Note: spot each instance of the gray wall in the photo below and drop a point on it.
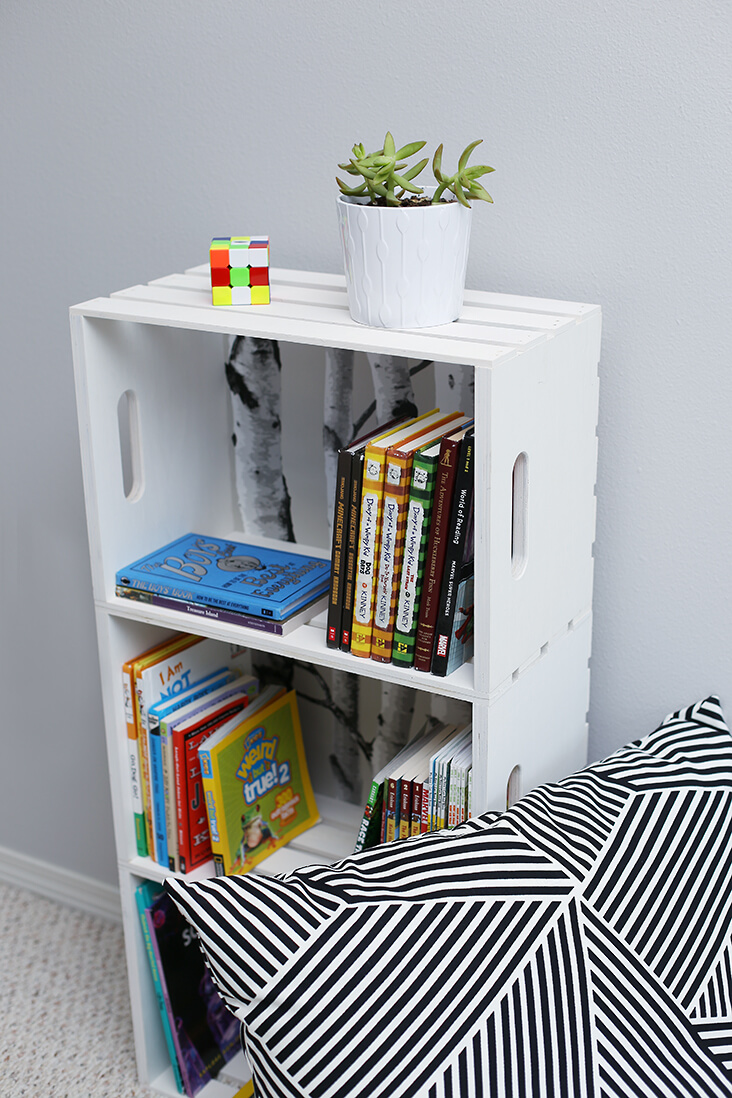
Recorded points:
(132, 133)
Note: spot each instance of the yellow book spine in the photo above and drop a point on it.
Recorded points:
(372, 493)
(393, 516)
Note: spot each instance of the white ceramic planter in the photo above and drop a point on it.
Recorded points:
(405, 267)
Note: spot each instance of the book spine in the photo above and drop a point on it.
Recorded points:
(199, 610)
(391, 810)
(158, 794)
(372, 496)
(186, 1080)
(171, 815)
(368, 812)
(354, 513)
(145, 771)
(172, 1053)
(425, 820)
(435, 559)
(416, 542)
(405, 808)
(397, 477)
(248, 607)
(133, 751)
(179, 771)
(454, 555)
(209, 795)
(415, 815)
(338, 550)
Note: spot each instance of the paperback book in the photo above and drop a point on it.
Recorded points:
(255, 780)
(204, 1032)
(267, 583)
(229, 617)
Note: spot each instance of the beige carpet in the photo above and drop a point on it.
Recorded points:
(65, 1025)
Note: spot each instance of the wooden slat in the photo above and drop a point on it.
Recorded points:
(192, 297)
(134, 305)
(482, 313)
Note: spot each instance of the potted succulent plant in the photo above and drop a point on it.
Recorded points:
(405, 248)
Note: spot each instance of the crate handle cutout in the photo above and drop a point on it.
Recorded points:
(130, 445)
(520, 515)
(513, 786)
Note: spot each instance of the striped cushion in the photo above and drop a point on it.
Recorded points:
(579, 944)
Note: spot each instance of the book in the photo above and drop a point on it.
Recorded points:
(416, 544)
(268, 583)
(187, 730)
(146, 659)
(230, 617)
(157, 712)
(458, 553)
(341, 529)
(397, 479)
(460, 644)
(133, 749)
(349, 579)
(145, 894)
(436, 549)
(440, 764)
(205, 1032)
(255, 782)
(189, 658)
(369, 538)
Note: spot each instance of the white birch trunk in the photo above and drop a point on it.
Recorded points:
(344, 760)
(337, 415)
(394, 723)
(392, 387)
(455, 388)
(253, 372)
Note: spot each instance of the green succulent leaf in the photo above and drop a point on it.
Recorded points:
(410, 150)
(403, 182)
(437, 164)
(389, 146)
(465, 155)
(477, 170)
(351, 190)
(478, 191)
(459, 193)
(414, 171)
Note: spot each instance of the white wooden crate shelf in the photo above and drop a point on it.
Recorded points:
(535, 365)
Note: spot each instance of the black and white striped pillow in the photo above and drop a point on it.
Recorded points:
(579, 944)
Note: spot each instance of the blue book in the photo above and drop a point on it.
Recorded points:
(270, 583)
(145, 895)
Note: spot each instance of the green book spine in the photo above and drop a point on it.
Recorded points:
(416, 539)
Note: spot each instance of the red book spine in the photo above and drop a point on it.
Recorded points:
(425, 821)
(437, 547)
(415, 817)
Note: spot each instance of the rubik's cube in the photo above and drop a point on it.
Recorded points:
(240, 270)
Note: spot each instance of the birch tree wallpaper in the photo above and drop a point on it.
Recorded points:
(357, 724)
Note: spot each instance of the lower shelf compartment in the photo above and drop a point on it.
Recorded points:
(232, 1078)
(327, 841)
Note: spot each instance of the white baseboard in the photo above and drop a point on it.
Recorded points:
(63, 886)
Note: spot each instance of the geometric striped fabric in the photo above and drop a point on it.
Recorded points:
(577, 945)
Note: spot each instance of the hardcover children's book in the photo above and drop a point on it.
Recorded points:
(145, 895)
(256, 782)
(205, 1032)
(269, 583)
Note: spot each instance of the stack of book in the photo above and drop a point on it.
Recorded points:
(272, 590)
(401, 587)
(217, 766)
(427, 786)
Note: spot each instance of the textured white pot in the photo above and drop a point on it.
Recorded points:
(405, 266)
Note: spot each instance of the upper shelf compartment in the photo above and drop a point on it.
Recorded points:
(150, 361)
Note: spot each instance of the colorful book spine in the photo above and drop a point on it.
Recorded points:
(457, 541)
(397, 481)
(145, 895)
(371, 810)
(218, 613)
(338, 550)
(405, 807)
(416, 542)
(435, 560)
(133, 753)
(415, 817)
(354, 512)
